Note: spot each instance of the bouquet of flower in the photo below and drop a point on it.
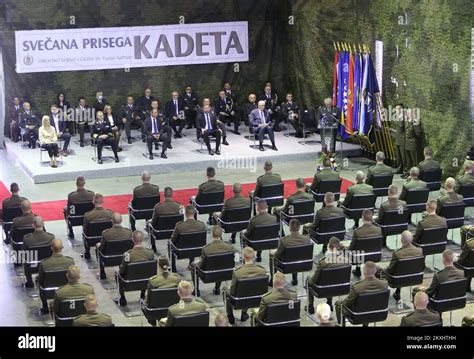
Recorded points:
(327, 155)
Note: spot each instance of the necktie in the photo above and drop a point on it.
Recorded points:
(176, 106)
(262, 115)
(208, 122)
(155, 127)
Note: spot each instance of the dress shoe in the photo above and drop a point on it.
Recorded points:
(120, 149)
(170, 147)
(81, 144)
(225, 143)
(116, 159)
(217, 152)
(129, 141)
(176, 136)
(211, 152)
(29, 284)
(309, 308)
(261, 148)
(151, 157)
(216, 291)
(65, 153)
(163, 155)
(244, 317)
(180, 135)
(99, 161)
(274, 148)
(237, 133)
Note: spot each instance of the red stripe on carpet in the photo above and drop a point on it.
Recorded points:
(53, 210)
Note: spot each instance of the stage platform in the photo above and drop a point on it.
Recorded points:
(185, 156)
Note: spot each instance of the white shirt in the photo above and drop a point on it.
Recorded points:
(208, 121)
(111, 119)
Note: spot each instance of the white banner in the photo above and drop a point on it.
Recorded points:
(127, 47)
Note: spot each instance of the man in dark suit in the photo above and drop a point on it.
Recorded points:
(175, 115)
(166, 127)
(100, 101)
(146, 189)
(367, 285)
(293, 239)
(83, 117)
(104, 135)
(130, 115)
(407, 250)
(97, 214)
(291, 114)
(56, 119)
(191, 104)
(421, 316)
(249, 107)
(144, 103)
(190, 224)
(432, 220)
(13, 114)
(29, 122)
(216, 246)
(207, 124)
(449, 273)
(262, 124)
(80, 195)
(137, 254)
(224, 107)
(272, 105)
(155, 133)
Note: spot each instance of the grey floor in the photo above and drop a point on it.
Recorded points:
(18, 309)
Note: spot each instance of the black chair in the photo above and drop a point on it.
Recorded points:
(235, 219)
(332, 282)
(454, 214)
(68, 310)
(449, 296)
(394, 222)
(113, 254)
(272, 193)
(380, 183)
(248, 292)
(159, 300)
(164, 228)
(467, 191)
(433, 240)
(188, 245)
(209, 202)
(142, 207)
(308, 121)
(432, 178)
(137, 275)
(358, 204)
(52, 280)
(302, 210)
(368, 308)
(280, 314)
(16, 240)
(296, 259)
(94, 231)
(42, 252)
(266, 236)
(329, 227)
(8, 214)
(75, 213)
(325, 186)
(219, 267)
(416, 199)
(367, 249)
(407, 273)
(191, 320)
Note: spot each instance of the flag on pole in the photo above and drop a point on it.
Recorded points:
(369, 91)
(356, 96)
(350, 97)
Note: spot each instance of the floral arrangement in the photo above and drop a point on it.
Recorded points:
(331, 156)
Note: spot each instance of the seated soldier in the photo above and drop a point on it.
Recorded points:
(450, 196)
(407, 250)
(216, 246)
(449, 273)
(248, 270)
(326, 173)
(428, 163)
(431, 220)
(278, 294)
(187, 304)
(97, 214)
(358, 188)
(189, 225)
(299, 195)
(116, 232)
(367, 230)
(294, 239)
(391, 204)
(80, 195)
(237, 201)
(37, 238)
(268, 178)
(261, 218)
(169, 206)
(92, 318)
(463, 259)
(25, 220)
(367, 285)
(72, 290)
(413, 182)
(146, 189)
(467, 178)
(379, 168)
(211, 185)
(329, 210)
(421, 316)
(334, 258)
(137, 254)
(13, 201)
(56, 262)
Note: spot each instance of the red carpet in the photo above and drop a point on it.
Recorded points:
(53, 210)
